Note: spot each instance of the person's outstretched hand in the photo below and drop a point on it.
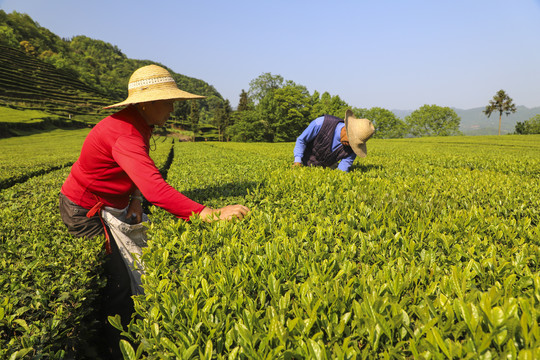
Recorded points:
(225, 213)
(296, 164)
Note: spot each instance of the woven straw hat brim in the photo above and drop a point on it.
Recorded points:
(359, 131)
(152, 83)
(157, 95)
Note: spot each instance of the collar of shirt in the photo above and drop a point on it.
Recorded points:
(132, 115)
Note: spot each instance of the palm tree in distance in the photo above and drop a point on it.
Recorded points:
(502, 103)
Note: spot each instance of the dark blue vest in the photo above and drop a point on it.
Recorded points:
(319, 151)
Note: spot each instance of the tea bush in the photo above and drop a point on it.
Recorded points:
(27, 156)
(428, 248)
(49, 280)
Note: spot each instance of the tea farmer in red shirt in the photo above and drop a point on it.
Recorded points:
(329, 141)
(115, 170)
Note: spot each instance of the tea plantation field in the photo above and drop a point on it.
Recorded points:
(428, 249)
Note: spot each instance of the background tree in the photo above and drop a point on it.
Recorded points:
(260, 86)
(221, 119)
(387, 124)
(291, 113)
(194, 117)
(243, 103)
(218, 119)
(228, 117)
(433, 120)
(266, 115)
(248, 127)
(531, 126)
(241, 121)
(7, 36)
(328, 105)
(275, 109)
(501, 103)
(181, 112)
(28, 48)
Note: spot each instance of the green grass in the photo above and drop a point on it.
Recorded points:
(9, 115)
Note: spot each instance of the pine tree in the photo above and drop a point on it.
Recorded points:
(502, 103)
(243, 104)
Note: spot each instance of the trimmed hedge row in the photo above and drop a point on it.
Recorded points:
(49, 280)
(26, 79)
(426, 249)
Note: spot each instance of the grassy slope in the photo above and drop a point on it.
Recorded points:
(28, 82)
(9, 115)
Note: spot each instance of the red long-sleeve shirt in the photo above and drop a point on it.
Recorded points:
(114, 161)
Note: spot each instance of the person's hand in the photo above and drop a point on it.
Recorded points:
(296, 164)
(134, 211)
(225, 213)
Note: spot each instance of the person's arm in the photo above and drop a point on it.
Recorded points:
(305, 138)
(345, 163)
(130, 154)
(135, 210)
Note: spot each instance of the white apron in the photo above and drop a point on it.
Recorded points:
(130, 240)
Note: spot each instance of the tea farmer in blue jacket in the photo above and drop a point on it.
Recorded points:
(329, 140)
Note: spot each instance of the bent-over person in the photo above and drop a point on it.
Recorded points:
(332, 142)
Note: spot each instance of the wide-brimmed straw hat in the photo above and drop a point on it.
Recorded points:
(150, 83)
(359, 131)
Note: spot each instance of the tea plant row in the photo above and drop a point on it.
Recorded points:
(49, 281)
(429, 248)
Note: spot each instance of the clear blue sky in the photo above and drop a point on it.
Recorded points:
(395, 54)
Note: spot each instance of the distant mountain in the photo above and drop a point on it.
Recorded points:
(475, 122)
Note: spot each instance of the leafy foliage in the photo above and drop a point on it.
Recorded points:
(24, 157)
(286, 110)
(387, 125)
(264, 84)
(244, 103)
(49, 281)
(249, 127)
(428, 248)
(531, 126)
(327, 104)
(222, 118)
(278, 110)
(433, 120)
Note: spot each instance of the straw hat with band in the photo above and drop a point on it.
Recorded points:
(151, 83)
(359, 131)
